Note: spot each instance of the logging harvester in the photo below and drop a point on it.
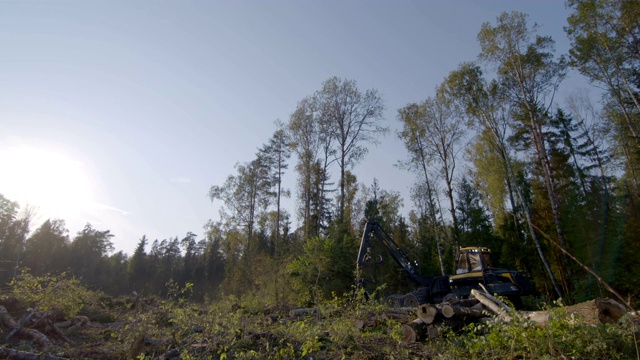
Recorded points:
(473, 267)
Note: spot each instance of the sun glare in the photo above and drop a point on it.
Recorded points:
(55, 183)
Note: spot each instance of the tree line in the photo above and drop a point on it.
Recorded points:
(541, 174)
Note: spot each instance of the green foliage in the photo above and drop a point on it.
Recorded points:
(563, 337)
(60, 293)
(310, 270)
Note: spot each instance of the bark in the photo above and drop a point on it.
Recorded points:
(464, 302)
(21, 355)
(449, 311)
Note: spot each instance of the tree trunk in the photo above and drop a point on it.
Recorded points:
(414, 331)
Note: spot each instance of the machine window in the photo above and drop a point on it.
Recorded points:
(474, 259)
(462, 266)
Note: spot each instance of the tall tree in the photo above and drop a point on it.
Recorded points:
(214, 259)
(414, 136)
(10, 237)
(444, 130)
(274, 156)
(353, 120)
(605, 39)
(313, 146)
(530, 77)
(46, 248)
(244, 195)
(138, 270)
(487, 107)
(88, 250)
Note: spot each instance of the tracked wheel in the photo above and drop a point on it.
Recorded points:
(410, 300)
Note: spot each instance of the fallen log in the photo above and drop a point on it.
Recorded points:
(541, 318)
(463, 302)
(598, 311)
(9, 323)
(22, 355)
(491, 305)
(427, 313)
(54, 331)
(414, 331)
(495, 300)
(449, 311)
(26, 317)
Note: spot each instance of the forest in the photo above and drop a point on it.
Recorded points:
(551, 186)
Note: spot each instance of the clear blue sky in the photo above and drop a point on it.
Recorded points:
(124, 113)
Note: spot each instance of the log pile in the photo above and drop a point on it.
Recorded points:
(432, 318)
(482, 306)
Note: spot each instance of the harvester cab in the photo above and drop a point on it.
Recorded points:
(473, 259)
(474, 266)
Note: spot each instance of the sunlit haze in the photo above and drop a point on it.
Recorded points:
(53, 181)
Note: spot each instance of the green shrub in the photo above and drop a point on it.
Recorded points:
(61, 293)
(564, 337)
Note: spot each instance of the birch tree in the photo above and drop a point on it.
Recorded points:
(353, 119)
(486, 106)
(313, 147)
(530, 77)
(414, 136)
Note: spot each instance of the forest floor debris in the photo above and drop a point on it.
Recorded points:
(173, 328)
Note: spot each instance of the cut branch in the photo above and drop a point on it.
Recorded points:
(21, 355)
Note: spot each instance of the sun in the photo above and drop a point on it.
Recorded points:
(52, 181)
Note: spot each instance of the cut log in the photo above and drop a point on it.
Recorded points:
(450, 311)
(427, 313)
(464, 302)
(494, 299)
(541, 318)
(414, 331)
(610, 311)
(433, 331)
(598, 311)
(490, 304)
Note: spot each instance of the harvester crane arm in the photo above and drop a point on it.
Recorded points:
(373, 231)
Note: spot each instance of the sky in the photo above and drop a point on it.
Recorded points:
(123, 114)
